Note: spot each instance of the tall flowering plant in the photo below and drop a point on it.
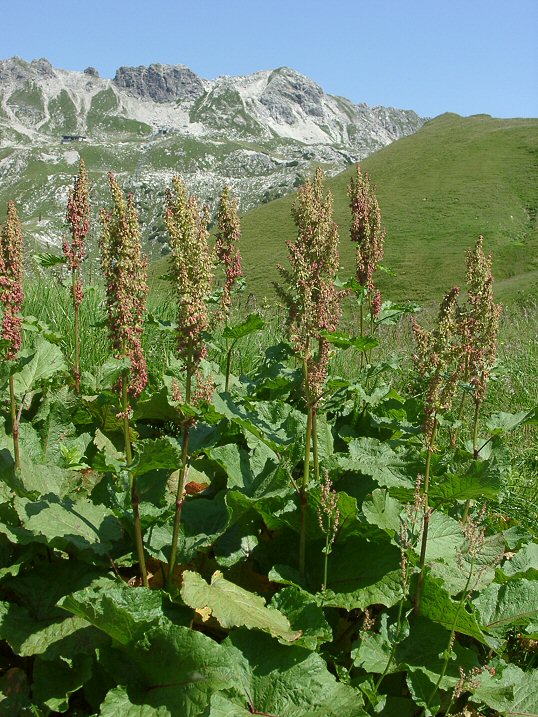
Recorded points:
(191, 271)
(438, 358)
(125, 272)
(11, 296)
(229, 256)
(368, 234)
(480, 328)
(78, 218)
(227, 248)
(313, 304)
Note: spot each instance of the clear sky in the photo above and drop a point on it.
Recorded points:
(433, 56)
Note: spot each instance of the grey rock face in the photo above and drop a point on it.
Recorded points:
(161, 83)
(91, 71)
(287, 91)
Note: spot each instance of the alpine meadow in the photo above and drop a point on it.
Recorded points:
(280, 462)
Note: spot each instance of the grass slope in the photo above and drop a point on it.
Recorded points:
(438, 190)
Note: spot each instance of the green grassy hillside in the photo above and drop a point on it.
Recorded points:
(438, 190)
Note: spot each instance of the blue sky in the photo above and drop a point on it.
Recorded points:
(433, 56)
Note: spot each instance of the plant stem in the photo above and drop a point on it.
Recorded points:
(475, 429)
(393, 649)
(228, 363)
(77, 331)
(426, 522)
(135, 500)
(303, 494)
(451, 638)
(326, 562)
(315, 443)
(180, 493)
(14, 424)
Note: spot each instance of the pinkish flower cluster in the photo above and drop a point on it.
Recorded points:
(310, 293)
(191, 269)
(366, 230)
(11, 293)
(439, 359)
(125, 272)
(480, 323)
(227, 249)
(78, 217)
(328, 510)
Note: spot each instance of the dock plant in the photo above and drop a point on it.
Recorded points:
(229, 256)
(11, 297)
(78, 219)
(314, 304)
(191, 274)
(124, 269)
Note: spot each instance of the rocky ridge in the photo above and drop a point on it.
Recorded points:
(261, 133)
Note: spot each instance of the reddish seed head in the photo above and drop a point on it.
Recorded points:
(78, 218)
(227, 249)
(366, 230)
(125, 273)
(312, 300)
(11, 293)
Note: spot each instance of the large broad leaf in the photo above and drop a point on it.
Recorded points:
(499, 423)
(305, 614)
(503, 606)
(382, 510)
(481, 479)
(251, 324)
(233, 606)
(391, 468)
(437, 605)
(55, 680)
(343, 341)
(523, 564)
(67, 524)
(362, 574)
(161, 664)
(288, 681)
(45, 363)
(159, 454)
(509, 692)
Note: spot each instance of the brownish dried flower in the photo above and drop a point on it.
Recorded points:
(78, 217)
(11, 292)
(125, 272)
(481, 320)
(309, 292)
(191, 269)
(439, 359)
(366, 230)
(227, 248)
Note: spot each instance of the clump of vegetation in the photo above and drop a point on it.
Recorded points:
(392, 579)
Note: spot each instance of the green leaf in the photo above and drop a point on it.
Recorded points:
(391, 468)
(437, 605)
(382, 510)
(48, 260)
(503, 606)
(524, 563)
(159, 454)
(233, 606)
(117, 702)
(110, 372)
(343, 341)
(67, 524)
(46, 362)
(509, 692)
(108, 457)
(305, 615)
(55, 680)
(499, 423)
(250, 325)
(288, 680)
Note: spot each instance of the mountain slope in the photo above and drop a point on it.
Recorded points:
(261, 134)
(438, 190)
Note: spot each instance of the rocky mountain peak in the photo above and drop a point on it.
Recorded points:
(288, 90)
(160, 83)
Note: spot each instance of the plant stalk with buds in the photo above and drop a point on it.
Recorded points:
(125, 272)
(191, 270)
(328, 519)
(78, 217)
(11, 296)
(227, 251)
(313, 304)
(438, 359)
